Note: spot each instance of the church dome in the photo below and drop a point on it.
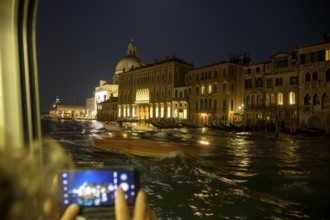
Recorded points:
(130, 60)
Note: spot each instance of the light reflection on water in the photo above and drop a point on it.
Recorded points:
(244, 176)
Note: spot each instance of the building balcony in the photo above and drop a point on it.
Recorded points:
(311, 84)
(325, 107)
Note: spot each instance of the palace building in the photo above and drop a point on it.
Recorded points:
(290, 90)
(216, 91)
(314, 85)
(155, 91)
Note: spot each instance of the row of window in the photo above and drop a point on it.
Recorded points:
(318, 56)
(208, 74)
(315, 76)
(257, 100)
(248, 82)
(269, 99)
(157, 112)
(209, 89)
(208, 104)
(315, 99)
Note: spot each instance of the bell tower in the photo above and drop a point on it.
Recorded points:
(131, 51)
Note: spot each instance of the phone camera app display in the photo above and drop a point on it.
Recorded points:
(97, 187)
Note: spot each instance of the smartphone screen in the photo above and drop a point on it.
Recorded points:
(97, 187)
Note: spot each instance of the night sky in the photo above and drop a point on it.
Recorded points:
(79, 42)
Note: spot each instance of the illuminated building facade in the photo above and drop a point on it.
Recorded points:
(215, 92)
(66, 111)
(154, 92)
(270, 92)
(291, 90)
(314, 85)
(102, 93)
(107, 110)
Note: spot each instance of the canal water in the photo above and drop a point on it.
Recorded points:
(243, 176)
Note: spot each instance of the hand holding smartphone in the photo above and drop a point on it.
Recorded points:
(94, 188)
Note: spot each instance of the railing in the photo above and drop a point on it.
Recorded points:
(311, 84)
(325, 107)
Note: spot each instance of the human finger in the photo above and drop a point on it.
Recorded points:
(71, 212)
(151, 215)
(140, 209)
(121, 207)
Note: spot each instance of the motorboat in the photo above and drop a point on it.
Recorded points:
(153, 144)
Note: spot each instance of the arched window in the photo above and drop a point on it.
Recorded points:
(272, 99)
(247, 101)
(215, 88)
(307, 99)
(215, 74)
(267, 99)
(292, 98)
(224, 87)
(280, 98)
(157, 112)
(203, 90)
(258, 99)
(162, 112)
(325, 99)
(327, 75)
(209, 89)
(253, 101)
(315, 76)
(316, 100)
(307, 77)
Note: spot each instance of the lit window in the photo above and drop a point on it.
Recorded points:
(162, 112)
(280, 98)
(210, 89)
(157, 109)
(185, 114)
(142, 96)
(327, 54)
(175, 113)
(133, 113)
(168, 111)
(151, 113)
(292, 98)
(203, 90)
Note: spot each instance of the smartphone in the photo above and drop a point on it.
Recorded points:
(97, 187)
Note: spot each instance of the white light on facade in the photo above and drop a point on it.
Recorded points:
(133, 113)
(162, 112)
(185, 114)
(175, 113)
(292, 98)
